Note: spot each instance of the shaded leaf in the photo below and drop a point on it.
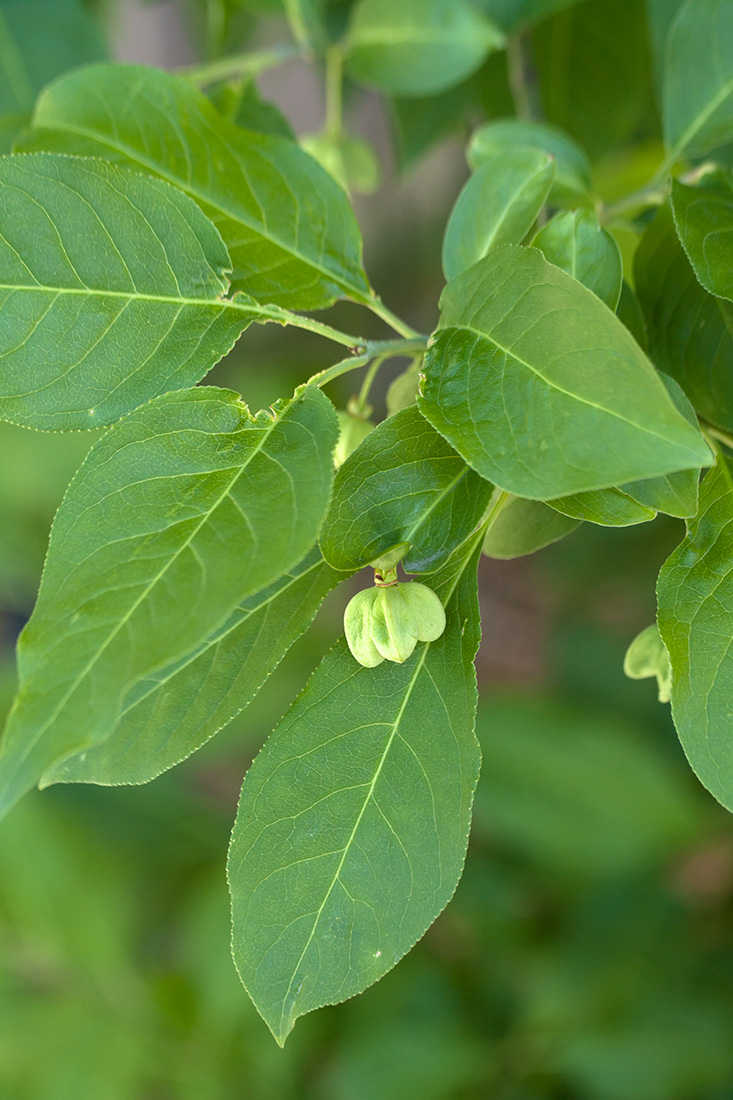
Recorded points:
(523, 526)
(353, 821)
(698, 79)
(291, 233)
(541, 389)
(704, 219)
(572, 179)
(111, 290)
(608, 507)
(417, 47)
(574, 241)
(690, 331)
(404, 484)
(180, 511)
(695, 598)
(514, 15)
(171, 713)
(498, 205)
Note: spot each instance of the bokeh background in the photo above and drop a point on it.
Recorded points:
(588, 952)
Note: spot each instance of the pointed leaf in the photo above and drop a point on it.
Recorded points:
(498, 205)
(704, 219)
(574, 241)
(111, 291)
(541, 389)
(404, 484)
(698, 79)
(523, 526)
(180, 511)
(690, 331)
(353, 821)
(417, 47)
(292, 236)
(695, 596)
(171, 713)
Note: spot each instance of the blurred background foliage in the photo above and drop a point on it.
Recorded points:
(588, 953)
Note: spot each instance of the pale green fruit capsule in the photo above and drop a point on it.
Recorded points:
(647, 656)
(358, 628)
(394, 625)
(427, 610)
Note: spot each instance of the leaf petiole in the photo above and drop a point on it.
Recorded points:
(241, 64)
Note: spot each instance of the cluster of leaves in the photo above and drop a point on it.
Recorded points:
(144, 225)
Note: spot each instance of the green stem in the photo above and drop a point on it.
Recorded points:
(334, 93)
(517, 75)
(652, 194)
(264, 314)
(242, 64)
(377, 306)
(362, 401)
(369, 350)
(717, 434)
(342, 367)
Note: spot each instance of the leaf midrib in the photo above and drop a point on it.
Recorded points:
(183, 185)
(553, 385)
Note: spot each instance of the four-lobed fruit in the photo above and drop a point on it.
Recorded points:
(386, 622)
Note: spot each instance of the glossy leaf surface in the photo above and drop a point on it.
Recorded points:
(698, 82)
(704, 220)
(180, 511)
(608, 507)
(291, 234)
(498, 205)
(542, 390)
(404, 484)
(353, 821)
(574, 241)
(690, 331)
(111, 291)
(695, 597)
(417, 47)
(171, 713)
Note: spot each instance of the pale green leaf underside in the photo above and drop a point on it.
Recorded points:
(404, 484)
(181, 510)
(704, 219)
(607, 507)
(111, 291)
(524, 526)
(353, 821)
(498, 205)
(572, 168)
(695, 597)
(542, 389)
(698, 78)
(171, 713)
(290, 231)
(417, 47)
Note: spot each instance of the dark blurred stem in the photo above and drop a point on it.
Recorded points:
(519, 78)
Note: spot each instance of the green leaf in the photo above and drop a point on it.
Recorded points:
(647, 657)
(575, 241)
(690, 331)
(112, 291)
(608, 507)
(695, 597)
(541, 389)
(180, 511)
(660, 16)
(572, 170)
(353, 821)
(417, 47)
(39, 39)
(171, 713)
(291, 233)
(404, 484)
(698, 79)
(522, 526)
(244, 105)
(704, 219)
(498, 205)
